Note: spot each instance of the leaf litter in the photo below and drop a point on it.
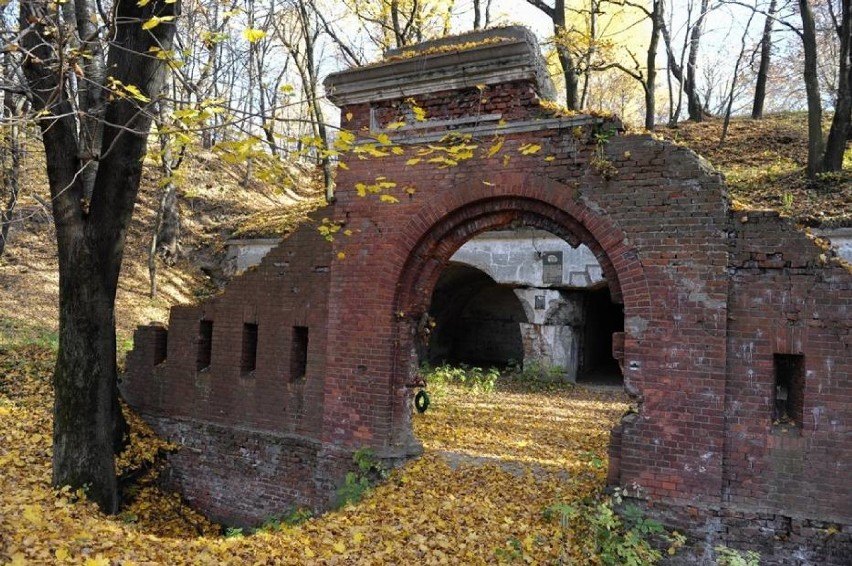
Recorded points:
(492, 463)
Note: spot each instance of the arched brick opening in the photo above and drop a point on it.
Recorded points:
(436, 245)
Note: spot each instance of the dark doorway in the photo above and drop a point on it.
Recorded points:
(603, 318)
(476, 321)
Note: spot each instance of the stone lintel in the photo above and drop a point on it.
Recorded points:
(516, 56)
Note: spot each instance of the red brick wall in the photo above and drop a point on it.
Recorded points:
(251, 441)
(786, 299)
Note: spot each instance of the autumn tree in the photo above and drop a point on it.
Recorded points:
(392, 24)
(765, 58)
(298, 29)
(88, 424)
(826, 155)
(839, 133)
(687, 77)
(556, 13)
(647, 76)
(481, 14)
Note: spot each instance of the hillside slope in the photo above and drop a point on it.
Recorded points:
(763, 162)
(213, 202)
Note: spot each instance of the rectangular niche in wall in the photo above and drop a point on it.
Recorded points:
(161, 346)
(299, 353)
(205, 344)
(789, 392)
(248, 355)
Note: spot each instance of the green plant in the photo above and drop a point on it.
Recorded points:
(357, 484)
(233, 532)
(474, 378)
(594, 529)
(731, 557)
(535, 373)
(600, 162)
(17, 333)
(295, 516)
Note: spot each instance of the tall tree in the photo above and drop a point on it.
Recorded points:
(88, 425)
(11, 151)
(734, 76)
(835, 146)
(481, 14)
(765, 58)
(688, 77)
(648, 78)
(816, 143)
(299, 34)
(556, 13)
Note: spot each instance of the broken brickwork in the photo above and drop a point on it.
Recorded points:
(729, 316)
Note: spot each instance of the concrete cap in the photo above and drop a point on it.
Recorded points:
(489, 57)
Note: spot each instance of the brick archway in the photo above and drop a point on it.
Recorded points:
(436, 244)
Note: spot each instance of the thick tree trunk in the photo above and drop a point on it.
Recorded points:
(816, 144)
(765, 57)
(569, 69)
(839, 133)
(88, 425)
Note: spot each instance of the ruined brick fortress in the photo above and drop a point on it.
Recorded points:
(727, 318)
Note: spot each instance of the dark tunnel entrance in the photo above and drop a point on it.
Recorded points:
(525, 298)
(476, 320)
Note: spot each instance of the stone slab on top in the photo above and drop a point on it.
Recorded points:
(485, 57)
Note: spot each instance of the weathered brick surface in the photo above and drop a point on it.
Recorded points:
(710, 297)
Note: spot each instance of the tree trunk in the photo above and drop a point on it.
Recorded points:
(88, 425)
(651, 61)
(816, 144)
(763, 68)
(590, 53)
(675, 67)
(569, 69)
(310, 80)
(10, 153)
(693, 105)
(81, 15)
(730, 104)
(839, 133)
(166, 233)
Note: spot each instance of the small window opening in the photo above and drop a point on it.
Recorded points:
(299, 353)
(248, 357)
(789, 393)
(205, 344)
(161, 346)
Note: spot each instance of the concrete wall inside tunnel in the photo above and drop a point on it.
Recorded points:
(556, 284)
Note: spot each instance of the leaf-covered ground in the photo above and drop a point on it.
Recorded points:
(492, 463)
